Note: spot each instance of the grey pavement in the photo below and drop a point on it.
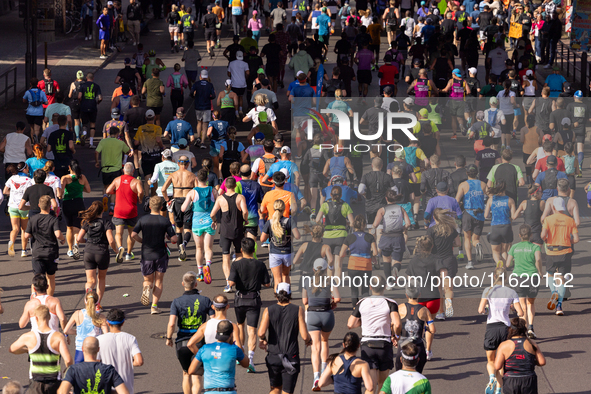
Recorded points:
(459, 360)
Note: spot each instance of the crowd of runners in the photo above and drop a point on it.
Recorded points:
(322, 208)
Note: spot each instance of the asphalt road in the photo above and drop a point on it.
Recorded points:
(459, 359)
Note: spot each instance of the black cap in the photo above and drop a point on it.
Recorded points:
(417, 60)
(442, 187)
(509, 62)
(236, 37)
(278, 137)
(224, 331)
(265, 82)
(278, 178)
(472, 167)
(552, 160)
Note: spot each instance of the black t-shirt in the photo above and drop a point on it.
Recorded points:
(343, 47)
(455, 179)
(463, 35)
(271, 51)
(191, 309)
(508, 173)
(473, 83)
(128, 75)
(212, 179)
(209, 21)
(443, 247)
(424, 267)
(35, 192)
(347, 75)
(90, 92)
(249, 275)
(372, 115)
(403, 188)
(332, 85)
(377, 183)
(60, 146)
(96, 232)
(448, 27)
(428, 143)
(42, 229)
(135, 117)
(362, 39)
(556, 117)
(101, 377)
(232, 49)
(578, 112)
(526, 21)
(413, 73)
(484, 18)
(153, 229)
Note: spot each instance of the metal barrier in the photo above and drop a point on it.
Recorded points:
(7, 87)
(572, 62)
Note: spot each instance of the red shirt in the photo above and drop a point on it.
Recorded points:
(50, 97)
(389, 72)
(541, 165)
(126, 207)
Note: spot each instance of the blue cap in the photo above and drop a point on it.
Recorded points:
(578, 94)
(259, 136)
(457, 72)
(182, 141)
(422, 3)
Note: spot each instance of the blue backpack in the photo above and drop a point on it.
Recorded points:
(411, 155)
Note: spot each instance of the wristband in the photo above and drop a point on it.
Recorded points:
(169, 339)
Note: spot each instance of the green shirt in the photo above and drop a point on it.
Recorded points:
(153, 95)
(111, 150)
(524, 254)
(337, 233)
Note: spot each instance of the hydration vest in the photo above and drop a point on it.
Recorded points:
(550, 180)
(176, 80)
(334, 218)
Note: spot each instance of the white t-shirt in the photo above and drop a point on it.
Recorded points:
(237, 69)
(408, 24)
(498, 57)
(118, 349)
(505, 102)
(494, 122)
(270, 95)
(374, 313)
(500, 299)
(254, 114)
(366, 21)
(17, 184)
(53, 182)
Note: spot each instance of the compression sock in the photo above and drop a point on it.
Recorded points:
(255, 251)
(77, 131)
(581, 157)
(323, 368)
(186, 238)
(251, 356)
(91, 140)
(552, 286)
(492, 377)
(171, 43)
(388, 269)
(561, 290)
(316, 376)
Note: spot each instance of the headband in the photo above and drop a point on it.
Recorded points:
(410, 358)
(220, 304)
(115, 322)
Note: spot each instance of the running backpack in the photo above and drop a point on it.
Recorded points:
(124, 104)
(285, 237)
(268, 162)
(176, 80)
(232, 152)
(550, 179)
(334, 212)
(35, 100)
(392, 17)
(411, 155)
(173, 18)
(49, 87)
(492, 117)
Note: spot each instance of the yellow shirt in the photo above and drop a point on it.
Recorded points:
(374, 31)
(420, 156)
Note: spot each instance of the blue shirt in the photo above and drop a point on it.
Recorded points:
(323, 20)
(421, 12)
(303, 100)
(443, 202)
(203, 92)
(34, 164)
(293, 85)
(219, 129)
(104, 22)
(474, 15)
(219, 365)
(178, 129)
(546, 194)
(348, 193)
(35, 94)
(253, 193)
(469, 6)
(427, 31)
(555, 82)
(291, 168)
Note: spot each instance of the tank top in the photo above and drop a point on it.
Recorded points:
(45, 361)
(457, 89)
(86, 329)
(124, 105)
(126, 207)
(520, 363)
(530, 90)
(202, 206)
(569, 164)
(74, 189)
(320, 300)
(54, 323)
(344, 381)
(532, 215)
(566, 199)
(211, 330)
(15, 148)
(139, 59)
(501, 212)
(313, 252)
(474, 199)
(433, 115)
(337, 166)
(284, 330)
(360, 247)
(176, 81)
(422, 92)
(393, 220)
(232, 153)
(412, 326)
(227, 101)
(232, 223)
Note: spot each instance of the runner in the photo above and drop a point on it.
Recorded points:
(315, 159)
(373, 187)
(179, 128)
(532, 213)
(380, 327)
(99, 236)
(496, 303)
(89, 323)
(248, 275)
(162, 171)
(283, 320)
(228, 102)
(89, 96)
(128, 191)
(189, 312)
(312, 250)
(559, 232)
(407, 379)
(518, 358)
(457, 89)
(109, 159)
(183, 181)
(572, 206)
(548, 180)
(60, 144)
(73, 186)
(471, 193)
(15, 187)
(206, 332)
(33, 193)
(36, 99)
(253, 193)
(502, 208)
(319, 298)
(509, 174)
(442, 201)
(75, 104)
(40, 296)
(578, 112)
(431, 178)
(231, 151)
(203, 92)
(234, 213)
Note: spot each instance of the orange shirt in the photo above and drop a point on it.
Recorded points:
(271, 197)
(119, 92)
(559, 227)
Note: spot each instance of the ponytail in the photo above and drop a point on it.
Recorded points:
(38, 151)
(499, 273)
(48, 166)
(351, 343)
(276, 227)
(359, 223)
(318, 281)
(90, 301)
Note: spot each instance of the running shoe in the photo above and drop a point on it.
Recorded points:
(105, 203)
(440, 316)
(559, 311)
(454, 138)
(307, 210)
(25, 253)
(316, 387)
(146, 295)
(449, 308)
(313, 216)
(182, 252)
(553, 301)
(197, 141)
(470, 265)
(103, 57)
(75, 252)
(120, 252)
(479, 254)
(228, 289)
(461, 256)
(92, 146)
(250, 369)
(491, 387)
(463, 129)
(203, 146)
(129, 256)
(207, 275)
(98, 308)
(531, 334)
(70, 253)
(11, 248)
(200, 277)
(155, 310)
(429, 355)
(78, 142)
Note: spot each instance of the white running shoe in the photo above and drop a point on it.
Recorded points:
(429, 355)
(449, 309)
(440, 316)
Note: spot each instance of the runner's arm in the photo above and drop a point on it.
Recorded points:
(188, 200)
(482, 306)
(264, 324)
(121, 389)
(195, 339)
(304, 328)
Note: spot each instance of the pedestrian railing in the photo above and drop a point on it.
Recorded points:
(574, 65)
(8, 86)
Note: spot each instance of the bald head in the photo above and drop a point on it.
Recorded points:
(183, 161)
(90, 346)
(245, 171)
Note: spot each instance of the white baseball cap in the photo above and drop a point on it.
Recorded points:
(320, 264)
(228, 82)
(285, 172)
(239, 55)
(204, 74)
(529, 72)
(150, 114)
(284, 287)
(299, 73)
(473, 70)
(286, 149)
